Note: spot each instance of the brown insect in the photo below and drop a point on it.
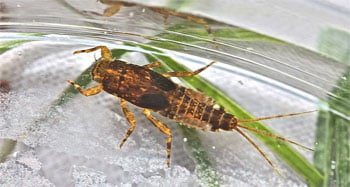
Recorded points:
(147, 89)
(116, 5)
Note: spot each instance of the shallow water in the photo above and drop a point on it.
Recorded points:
(77, 144)
(86, 130)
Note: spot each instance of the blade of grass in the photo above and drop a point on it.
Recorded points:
(5, 46)
(288, 154)
(206, 172)
(225, 33)
(332, 154)
(6, 149)
(188, 33)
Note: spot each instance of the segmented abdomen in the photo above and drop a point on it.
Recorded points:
(197, 110)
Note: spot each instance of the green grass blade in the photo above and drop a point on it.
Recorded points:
(189, 33)
(206, 172)
(6, 149)
(5, 46)
(332, 154)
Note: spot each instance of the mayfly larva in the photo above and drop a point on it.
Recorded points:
(145, 88)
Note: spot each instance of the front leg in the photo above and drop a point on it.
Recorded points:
(87, 92)
(105, 52)
(155, 64)
(186, 73)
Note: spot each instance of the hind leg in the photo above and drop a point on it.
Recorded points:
(164, 129)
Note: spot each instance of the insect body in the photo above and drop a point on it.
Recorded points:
(145, 88)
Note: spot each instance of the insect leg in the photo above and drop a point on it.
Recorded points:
(131, 119)
(258, 149)
(89, 91)
(165, 18)
(153, 65)
(164, 129)
(199, 21)
(105, 52)
(186, 73)
(113, 9)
